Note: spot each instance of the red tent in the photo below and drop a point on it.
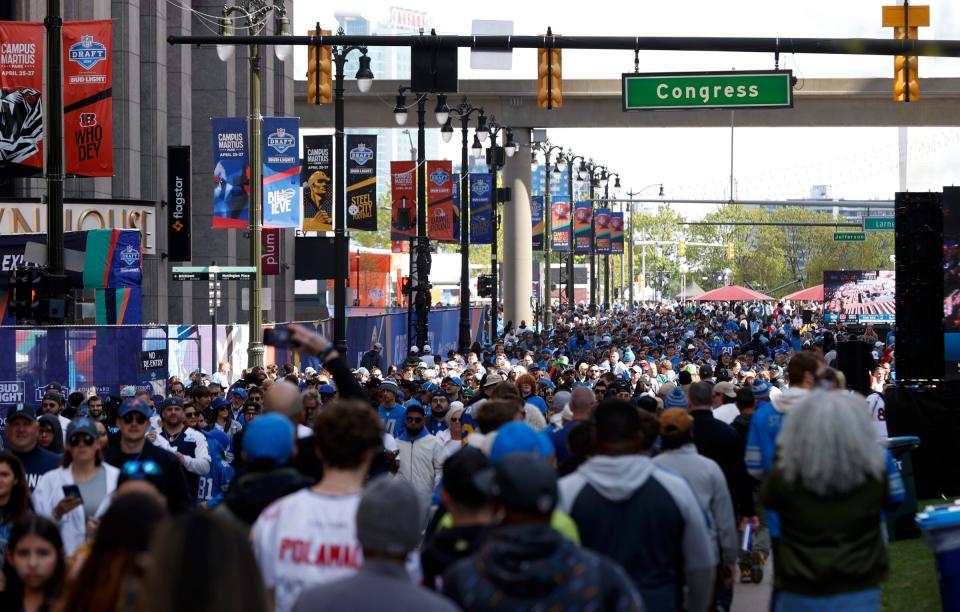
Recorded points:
(732, 293)
(810, 294)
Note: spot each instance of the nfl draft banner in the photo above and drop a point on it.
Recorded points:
(88, 97)
(481, 208)
(281, 172)
(616, 233)
(440, 199)
(536, 220)
(21, 106)
(231, 173)
(362, 182)
(601, 221)
(316, 180)
(403, 193)
(582, 228)
(560, 225)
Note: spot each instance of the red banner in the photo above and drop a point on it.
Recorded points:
(440, 199)
(403, 193)
(88, 97)
(270, 253)
(21, 106)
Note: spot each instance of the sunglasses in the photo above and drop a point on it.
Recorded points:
(189, 414)
(130, 418)
(80, 439)
(140, 469)
(414, 419)
(455, 420)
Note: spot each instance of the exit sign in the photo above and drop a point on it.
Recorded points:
(878, 224)
(707, 90)
(849, 236)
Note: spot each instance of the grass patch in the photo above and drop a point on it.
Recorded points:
(912, 584)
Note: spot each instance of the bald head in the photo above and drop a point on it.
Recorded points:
(284, 398)
(582, 402)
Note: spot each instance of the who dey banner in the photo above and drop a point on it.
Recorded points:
(481, 208)
(281, 172)
(231, 173)
(362, 182)
(88, 97)
(21, 93)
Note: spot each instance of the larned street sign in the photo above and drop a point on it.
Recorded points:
(707, 90)
(207, 273)
(878, 224)
(849, 236)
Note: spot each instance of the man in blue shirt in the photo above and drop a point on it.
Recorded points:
(390, 411)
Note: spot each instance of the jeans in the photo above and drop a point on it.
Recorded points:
(860, 601)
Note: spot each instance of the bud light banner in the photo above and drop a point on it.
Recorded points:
(560, 225)
(616, 233)
(362, 182)
(281, 172)
(582, 227)
(316, 181)
(403, 193)
(440, 199)
(88, 97)
(536, 220)
(601, 221)
(481, 208)
(21, 92)
(231, 173)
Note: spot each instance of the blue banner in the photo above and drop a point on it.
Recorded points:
(536, 219)
(456, 209)
(281, 172)
(231, 171)
(481, 209)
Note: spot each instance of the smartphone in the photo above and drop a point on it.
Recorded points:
(72, 490)
(277, 337)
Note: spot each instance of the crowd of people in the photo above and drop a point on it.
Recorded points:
(611, 463)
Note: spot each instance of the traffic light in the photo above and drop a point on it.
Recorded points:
(906, 21)
(320, 71)
(405, 285)
(21, 287)
(682, 248)
(729, 252)
(485, 285)
(549, 77)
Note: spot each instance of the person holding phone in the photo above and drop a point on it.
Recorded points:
(77, 494)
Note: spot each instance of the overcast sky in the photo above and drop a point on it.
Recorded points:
(695, 163)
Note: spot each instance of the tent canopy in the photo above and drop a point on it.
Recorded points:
(810, 294)
(733, 293)
(693, 290)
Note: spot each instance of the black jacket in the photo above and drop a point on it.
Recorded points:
(253, 492)
(446, 547)
(716, 440)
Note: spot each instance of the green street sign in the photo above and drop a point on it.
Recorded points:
(849, 236)
(207, 273)
(878, 224)
(706, 90)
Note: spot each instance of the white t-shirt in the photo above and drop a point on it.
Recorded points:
(305, 539)
(878, 413)
(726, 413)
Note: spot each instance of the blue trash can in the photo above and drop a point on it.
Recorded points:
(900, 524)
(941, 531)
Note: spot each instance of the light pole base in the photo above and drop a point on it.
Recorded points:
(255, 353)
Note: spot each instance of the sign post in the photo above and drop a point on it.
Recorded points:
(707, 90)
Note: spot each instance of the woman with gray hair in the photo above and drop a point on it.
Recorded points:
(452, 436)
(829, 483)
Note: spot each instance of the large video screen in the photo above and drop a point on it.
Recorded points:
(859, 296)
(951, 282)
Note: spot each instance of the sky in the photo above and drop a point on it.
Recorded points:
(858, 163)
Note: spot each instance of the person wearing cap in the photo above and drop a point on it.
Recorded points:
(439, 406)
(84, 471)
(23, 437)
(189, 445)
(373, 358)
(388, 530)
(237, 397)
(391, 412)
(678, 453)
(524, 563)
(421, 456)
(724, 408)
(668, 533)
(52, 403)
(133, 419)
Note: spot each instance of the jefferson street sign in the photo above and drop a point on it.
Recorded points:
(878, 224)
(707, 90)
(849, 236)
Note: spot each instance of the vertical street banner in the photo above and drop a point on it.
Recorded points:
(481, 208)
(616, 233)
(231, 173)
(281, 172)
(582, 227)
(455, 179)
(560, 225)
(88, 97)
(362, 182)
(270, 239)
(403, 196)
(316, 181)
(179, 217)
(21, 93)
(601, 224)
(536, 220)
(440, 199)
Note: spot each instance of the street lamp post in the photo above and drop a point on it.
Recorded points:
(255, 12)
(547, 149)
(495, 161)
(569, 159)
(630, 194)
(463, 112)
(595, 172)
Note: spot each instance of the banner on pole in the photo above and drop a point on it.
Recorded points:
(440, 199)
(616, 233)
(481, 208)
(455, 179)
(362, 182)
(179, 217)
(316, 182)
(536, 220)
(270, 239)
(560, 225)
(403, 195)
(583, 228)
(281, 172)
(88, 97)
(21, 98)
(601, 220)
(231, 173)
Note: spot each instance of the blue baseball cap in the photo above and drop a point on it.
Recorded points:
(218, 402)
(240, 392)
(675, 399)
(760, 388)
(219, 436)
(134, 405)
(518, 437)
(326, 390)
(429, 386)
(269, 437)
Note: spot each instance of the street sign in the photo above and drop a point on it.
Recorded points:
(235, 273)
(186, 273)
(878, 224)
(707, 90)
(849, 236)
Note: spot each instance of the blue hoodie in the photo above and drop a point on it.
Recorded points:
(214, 486)
(392, 418)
